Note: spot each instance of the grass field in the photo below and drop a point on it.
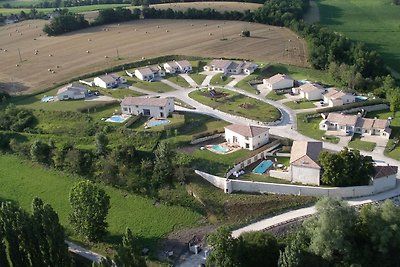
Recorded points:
(185, 37)
(274, 96)
(177, 79)
(375, 22)
(311, 128)
(157, 87)
(75, 9)
(244, 84)
(198, 78)
(21, 180)
(119, 92)
(357, 143)
(220, 79)
(299, 104)
(237, 104)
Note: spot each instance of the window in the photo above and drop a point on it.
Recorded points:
(161, 108)
(125, 109)
(146, 112)
(137, 106)
(249, 161)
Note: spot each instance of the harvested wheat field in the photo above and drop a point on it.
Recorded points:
(48, 60)
(218, 6)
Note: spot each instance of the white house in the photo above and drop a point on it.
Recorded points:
(335, 98)
(180, 66)
(311, 91)
(231, 67)
(154, 107)
(355, 124)
(278, 81)
(304, 166)
(72, 91)
(246, 136)
(109, 81)
(384, 177)
(149, 73)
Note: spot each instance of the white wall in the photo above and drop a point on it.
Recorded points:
(70, 95)
(139, 75)
(253, 143)
(206, 138)
(314, 95)
(385, 183)
(305, 175)
(100, 83)
(285, 175)
(279, 85)
(154, 111)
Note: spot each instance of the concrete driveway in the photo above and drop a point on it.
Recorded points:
(236, 79)
(189, 79)
(344, 139)
(379, 141)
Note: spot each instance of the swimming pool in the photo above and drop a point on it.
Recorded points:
(263, 166)
(157, 122)
(47, 98)
(220, 149)
(117, 118)
(360, 98)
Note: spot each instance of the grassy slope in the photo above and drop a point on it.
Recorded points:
(217, 79)
(21, 180)
(357, 143)
(299, 105)
(375, 22)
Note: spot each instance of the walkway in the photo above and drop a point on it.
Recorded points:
(85, 253)
(189, 79)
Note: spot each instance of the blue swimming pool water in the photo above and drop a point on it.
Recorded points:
(220, 148)
(263, 166)
(361, 98)
(47, 98)
(157, 122)
(116, 118)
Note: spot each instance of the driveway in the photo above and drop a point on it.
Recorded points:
(173, 85)
(104, 98)
(236, 79)
(207, 80)
(189, 79)
(379, 141)
(344, 139)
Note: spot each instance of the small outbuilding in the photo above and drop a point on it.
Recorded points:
(278, 81)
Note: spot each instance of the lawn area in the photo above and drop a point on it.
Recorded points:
(177, 79)
(394, 125)
(21, 181)
(158, 87)
(197, 77)
(119, 92)
(274, 96)
(311, 129)
(356, 143)
(220, 79)
(75, 9)
(244, 84)
(373, 22)
(262, 178)
(299, 104)
(237, 104)
(139, 125)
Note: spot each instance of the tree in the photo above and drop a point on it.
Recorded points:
(331, 231)
(90, 205)
(163, 169)
(224, 249)
(128, 253)
(346, 168)
(101, 143)
(393, 95)
(40, 152)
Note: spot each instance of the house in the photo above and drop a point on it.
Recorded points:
(384, 177)
(72, 91)
(109, 81)
(351, 124)
(154, 107)
(278, 81)
(180, 66)
(311, 91)
(246, 136)
(304, 166)
(149, 73)
(231, 67)
(336, 97)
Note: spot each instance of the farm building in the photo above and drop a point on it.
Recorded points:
(311, 91)
(246, 136)
(278, 81)
(109, 81)
(72, 91)
(335, 98)
(231, 67)
(180, 66)
(149, 73)
(351, 124)
(384, 177)
(154, 107)
(304, 166)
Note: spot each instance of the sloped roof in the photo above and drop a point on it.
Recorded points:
(310, 87)
(220, 63)
(76, 88)
(148, 70)
(305, 153)
(172, 64)
(145, 101)
(247, 130)
(278, 77)
(342, 119)
(109, 77)
(384, 170)
(333, 93)
(183, 63)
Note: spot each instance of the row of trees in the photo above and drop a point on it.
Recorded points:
(14, 119)
(336, 235)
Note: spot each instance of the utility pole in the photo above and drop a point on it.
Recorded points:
(20, 58)
(118, 54)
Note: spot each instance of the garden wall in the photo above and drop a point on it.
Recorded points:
(285, 175)
(230, 185)
(206, 138)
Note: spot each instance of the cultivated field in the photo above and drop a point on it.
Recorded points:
(218, 6)
(371, 21)
(134, 40)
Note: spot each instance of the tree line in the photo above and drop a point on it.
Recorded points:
(337, 235)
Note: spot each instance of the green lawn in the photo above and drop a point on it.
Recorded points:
(139, 125)
(158, 87)
(119, 92)
(310, 128)
(237, 104)
(177, 79)
(76, 9)
(220, 79)
(299, 104)
(244, 84)
(198, 78)
(374, 22)
(274, 96)
(356, 143)
(395, 126)
(21, 180)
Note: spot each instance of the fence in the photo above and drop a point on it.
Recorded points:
(206, 138)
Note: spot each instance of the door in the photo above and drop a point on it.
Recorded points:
(146, 112)
(162, 114)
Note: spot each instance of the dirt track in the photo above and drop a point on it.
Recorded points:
(134, 40)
